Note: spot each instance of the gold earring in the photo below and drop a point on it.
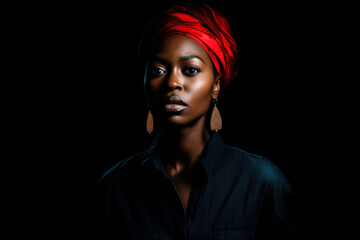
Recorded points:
(215, 121)
(150, 123)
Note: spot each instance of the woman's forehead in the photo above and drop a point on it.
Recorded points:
(176, 46)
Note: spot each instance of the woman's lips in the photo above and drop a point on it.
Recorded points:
(171, 107)
(174, 104)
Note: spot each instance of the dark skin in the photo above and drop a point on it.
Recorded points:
(181, 67)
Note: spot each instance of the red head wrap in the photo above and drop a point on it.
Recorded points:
(206, 26)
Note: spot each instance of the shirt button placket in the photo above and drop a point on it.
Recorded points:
(180, 229)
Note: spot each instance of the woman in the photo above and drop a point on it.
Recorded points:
(189, 184)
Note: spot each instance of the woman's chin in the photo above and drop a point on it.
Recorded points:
(176, 120)
(182, 121)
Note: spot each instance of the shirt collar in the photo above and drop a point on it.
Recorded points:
(208, 159)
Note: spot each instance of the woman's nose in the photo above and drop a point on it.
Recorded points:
(174, 81)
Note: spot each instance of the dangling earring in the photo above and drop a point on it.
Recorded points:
(150, 123)
(215, 121)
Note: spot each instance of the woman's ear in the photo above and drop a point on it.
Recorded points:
(216, 88)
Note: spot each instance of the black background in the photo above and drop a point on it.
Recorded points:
(90, 111)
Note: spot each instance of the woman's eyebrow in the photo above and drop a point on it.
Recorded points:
(185, 58)
(160, 59)
(181, 59)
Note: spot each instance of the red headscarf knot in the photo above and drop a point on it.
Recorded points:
(206, 26)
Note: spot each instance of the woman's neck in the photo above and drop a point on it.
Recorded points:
(182, 146)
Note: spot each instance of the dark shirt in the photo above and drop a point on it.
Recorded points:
(235, 195)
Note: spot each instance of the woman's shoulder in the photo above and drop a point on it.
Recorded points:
(255, 166)
(123, 168)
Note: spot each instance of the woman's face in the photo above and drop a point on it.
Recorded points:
(180, 81)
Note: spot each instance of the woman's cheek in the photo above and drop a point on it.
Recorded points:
(201, 92)
(202, 87)
(155, 84)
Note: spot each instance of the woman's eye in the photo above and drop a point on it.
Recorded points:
(155, 72)
(191, 71)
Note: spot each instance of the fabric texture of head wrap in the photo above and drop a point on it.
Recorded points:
(206, 26)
